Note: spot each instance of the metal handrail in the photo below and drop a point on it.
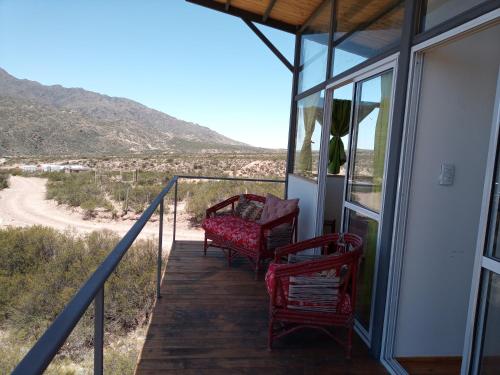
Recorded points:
(45, 349)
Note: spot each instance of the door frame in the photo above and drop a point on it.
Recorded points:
(475, 313)
(379, 67)
(405, 174)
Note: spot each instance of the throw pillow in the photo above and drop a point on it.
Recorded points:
(243, 203)
(253, 211)
(274, 208)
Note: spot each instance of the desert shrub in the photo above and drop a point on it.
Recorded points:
(75, 189)
(41, 269)
(4, 180)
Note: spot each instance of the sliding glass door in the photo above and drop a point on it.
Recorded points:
(364, 190)
(484, 311)
(356, 134)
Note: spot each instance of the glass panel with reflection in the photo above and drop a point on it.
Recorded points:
(368, 161)
(435, 12)
(365, 29)
(490, 353)
(367, 229)
(308, 139)
(314, 49)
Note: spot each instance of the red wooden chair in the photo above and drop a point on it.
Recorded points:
(318, 292)
(236, 236)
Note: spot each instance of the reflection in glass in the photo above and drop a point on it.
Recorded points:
(371, 126)
(490, 353)
(493, 241)
(314, 49)
(367, 229)
(365, 29)
(437, 11)
(339, 130)
(308, 141)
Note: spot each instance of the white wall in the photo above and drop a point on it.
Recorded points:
(307, 191)
(334, 199)
(453, 126)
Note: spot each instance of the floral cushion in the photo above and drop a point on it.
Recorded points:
(238, 231)
(283, 297)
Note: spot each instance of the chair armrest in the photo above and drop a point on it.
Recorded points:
(218, 206)
(313, 243)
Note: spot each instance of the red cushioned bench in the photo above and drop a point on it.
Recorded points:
(255, 240)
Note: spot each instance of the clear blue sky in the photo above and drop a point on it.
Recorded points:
(190, 62)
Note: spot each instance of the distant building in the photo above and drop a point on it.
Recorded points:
(75, 168)
(52, 167)
(29, 168)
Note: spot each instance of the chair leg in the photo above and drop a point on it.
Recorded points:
(270, 334)
(205, 245)
(257, 268)
(349, 343)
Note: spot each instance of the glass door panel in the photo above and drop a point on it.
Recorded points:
(489, 360)
(372, 123)
(367, 229)
(485, 323)
(492, 249)
(363, 200)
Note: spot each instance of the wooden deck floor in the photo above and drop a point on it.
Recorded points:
(212, 319)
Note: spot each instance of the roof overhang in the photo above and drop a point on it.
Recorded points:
(286, 15)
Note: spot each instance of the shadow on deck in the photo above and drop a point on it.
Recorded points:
(212, 319)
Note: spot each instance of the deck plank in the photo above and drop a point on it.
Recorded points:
(212, 319)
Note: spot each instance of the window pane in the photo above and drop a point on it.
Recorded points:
(367, 229)
(372, 122)
(314, 50)
(490, 354)
(492, 248)
(365, 30)
(339, 130)
(308, 141)
(437, 11)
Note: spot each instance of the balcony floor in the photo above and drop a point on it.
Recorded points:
(212, 319)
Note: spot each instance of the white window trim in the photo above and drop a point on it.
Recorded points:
(402, 200)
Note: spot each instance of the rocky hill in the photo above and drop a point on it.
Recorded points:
(53, 120)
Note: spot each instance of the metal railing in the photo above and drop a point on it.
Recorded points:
(46, 348)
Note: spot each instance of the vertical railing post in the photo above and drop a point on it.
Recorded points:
(160, 245)
(99, 332)
(175, 212)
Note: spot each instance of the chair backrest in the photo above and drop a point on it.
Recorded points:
(326, 283)
(254, 197)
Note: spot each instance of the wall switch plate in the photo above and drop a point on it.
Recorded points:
(447, 175)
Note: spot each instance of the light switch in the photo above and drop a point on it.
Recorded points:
(447, 174)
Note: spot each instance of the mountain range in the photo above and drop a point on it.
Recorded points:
(53, 120)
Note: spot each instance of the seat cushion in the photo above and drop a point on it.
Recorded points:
(307, 293)
(234, 229)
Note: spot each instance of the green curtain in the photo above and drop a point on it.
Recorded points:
(381, 129)
(311, 113)
(341, 114)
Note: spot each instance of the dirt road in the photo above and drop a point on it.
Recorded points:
(24, 204)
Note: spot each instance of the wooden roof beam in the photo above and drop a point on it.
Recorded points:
(269, 8)
(253, 17)
(313, 15)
